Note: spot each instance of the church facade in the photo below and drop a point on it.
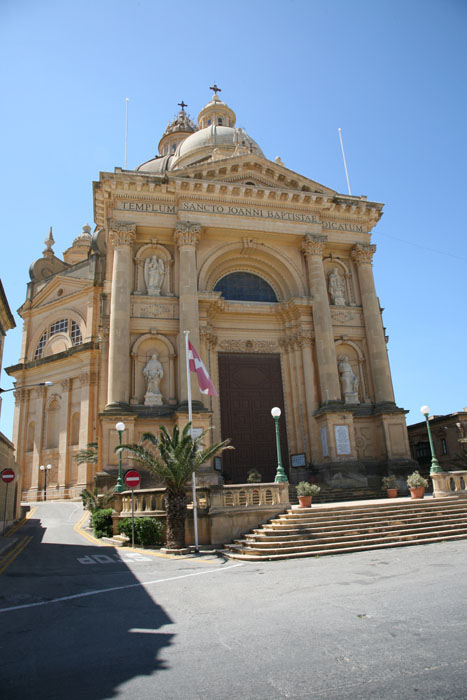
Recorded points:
(271, 274)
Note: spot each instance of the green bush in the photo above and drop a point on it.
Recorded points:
(148, 531)
(101, 520)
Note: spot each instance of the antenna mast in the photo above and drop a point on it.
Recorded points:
(345, 162)
(126, 129)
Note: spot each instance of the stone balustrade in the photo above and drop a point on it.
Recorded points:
(224, 512)
(449, 484)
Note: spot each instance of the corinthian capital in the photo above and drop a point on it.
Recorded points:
(314, 244)
(121, 233)
(187, 234)
(363, 253)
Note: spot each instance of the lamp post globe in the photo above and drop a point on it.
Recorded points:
(435, 465)
(281, 476)
(120, 486)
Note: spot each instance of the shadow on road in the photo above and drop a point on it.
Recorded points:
(62, 638)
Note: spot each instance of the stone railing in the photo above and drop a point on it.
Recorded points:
(244, 496)
(449, 484)
(224, 512)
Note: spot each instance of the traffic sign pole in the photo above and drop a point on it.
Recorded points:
(132, 479)
(7, 476)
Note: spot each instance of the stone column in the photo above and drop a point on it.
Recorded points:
(121, 236)
(187, 237)
(313, 248)
(362, 254)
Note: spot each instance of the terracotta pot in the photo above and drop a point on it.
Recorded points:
(304, 501)
(391, 493)
(417, 491)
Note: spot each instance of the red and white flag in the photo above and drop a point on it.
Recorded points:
(196, 365)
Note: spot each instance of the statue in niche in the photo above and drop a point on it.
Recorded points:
(349, 380)
(153, 373)
(336, 288)
(154, 271)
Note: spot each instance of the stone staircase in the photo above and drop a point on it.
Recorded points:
(337, 495)
(354, 527)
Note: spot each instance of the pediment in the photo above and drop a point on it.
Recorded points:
(252, 170)
(57, 289)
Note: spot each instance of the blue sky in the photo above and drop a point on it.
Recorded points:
(391, 74)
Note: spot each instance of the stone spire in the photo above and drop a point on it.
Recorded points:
(49, 242)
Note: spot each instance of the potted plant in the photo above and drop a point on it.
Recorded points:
(305, 492)
(417, 484)
(390, 484)
(253, 476)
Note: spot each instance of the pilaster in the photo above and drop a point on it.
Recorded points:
(187, 236)
(121, 237)
(362, 254)
(313, 249)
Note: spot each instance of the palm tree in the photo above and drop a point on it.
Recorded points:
(92, 500)
(89, 455)
(180, 455)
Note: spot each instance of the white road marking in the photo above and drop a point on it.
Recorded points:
(107, 559)
(116, 588)
(141, 630)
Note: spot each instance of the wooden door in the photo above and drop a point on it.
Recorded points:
(250, 385)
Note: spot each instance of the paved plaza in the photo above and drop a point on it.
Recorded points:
(80, 620)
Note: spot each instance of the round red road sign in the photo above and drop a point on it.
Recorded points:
(132, 479)
(7, 475)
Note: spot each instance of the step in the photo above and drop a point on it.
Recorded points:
(273, 535)
(353, 537)
(232, 554)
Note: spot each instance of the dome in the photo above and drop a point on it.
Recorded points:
(213, 141)
(184, 144)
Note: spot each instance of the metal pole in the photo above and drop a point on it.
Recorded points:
(435, 465)
(281, 476)
(119, 487)
(45, 484)
(190, 418)
(132, 519)
(4, 509)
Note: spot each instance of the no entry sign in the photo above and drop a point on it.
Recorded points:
(132, 479)
(7, 476)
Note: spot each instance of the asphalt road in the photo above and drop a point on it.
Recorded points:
(79, 620)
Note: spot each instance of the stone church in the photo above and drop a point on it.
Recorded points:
(271, 274)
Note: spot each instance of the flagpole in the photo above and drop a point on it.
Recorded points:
(190, 418)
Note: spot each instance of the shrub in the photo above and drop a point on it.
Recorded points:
(148, 531)
(254, 476)
(389, 482)
(304, 488)
(101, 520)
(415, 480)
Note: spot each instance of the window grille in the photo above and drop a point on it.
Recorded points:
(244, 286)
(59, 327)
(40, 346)
(76, 337)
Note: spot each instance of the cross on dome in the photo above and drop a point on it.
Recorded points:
(182, 105)
(215, 89)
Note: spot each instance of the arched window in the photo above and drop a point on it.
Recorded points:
(53, 424)
(74, 429)
(244, 286)
(64, 326)
(30, 438)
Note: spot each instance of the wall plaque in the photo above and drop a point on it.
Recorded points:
(342, 439)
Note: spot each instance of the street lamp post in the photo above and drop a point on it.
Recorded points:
(435, 466)
(281, 476)
(45, 469)
(26, 386)
(119, 486)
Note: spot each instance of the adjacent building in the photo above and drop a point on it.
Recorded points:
(9, 492)
(271, 274)
(449, 435)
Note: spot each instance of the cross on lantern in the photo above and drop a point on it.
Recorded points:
(215, 89)
(182, 105)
